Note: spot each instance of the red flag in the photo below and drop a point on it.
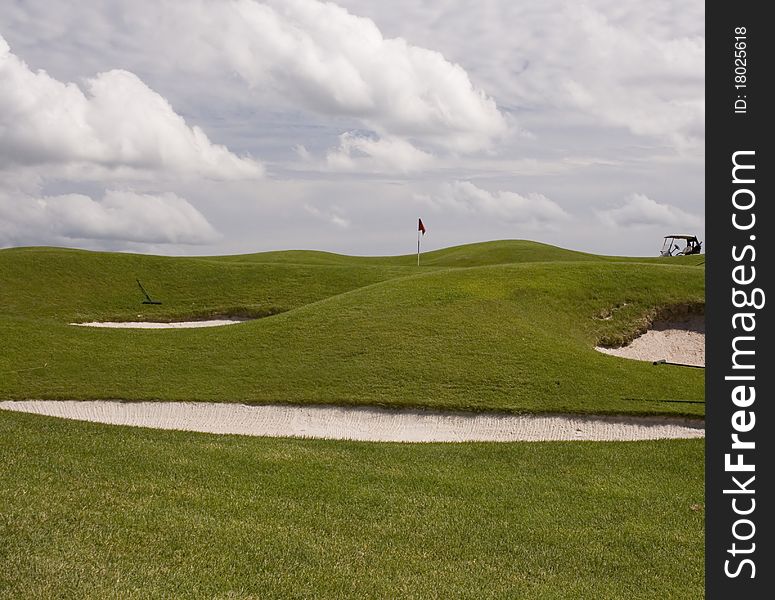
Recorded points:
(420, 226)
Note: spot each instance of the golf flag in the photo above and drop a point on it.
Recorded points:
(420, 227)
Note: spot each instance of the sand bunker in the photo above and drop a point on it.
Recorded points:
(675, 341)
(364, 424)
(153, 325)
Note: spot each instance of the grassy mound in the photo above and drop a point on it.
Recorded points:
(495, 326)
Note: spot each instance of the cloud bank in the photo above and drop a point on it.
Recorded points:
(117, 123)
(463, 197)
(641, 211)
(332, 215)
(608, 90)
(333, 62)
(361, 153)
(647, 81)
(301, 54)
(124, 216)
(622, 64)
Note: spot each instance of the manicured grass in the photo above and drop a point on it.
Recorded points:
(94, 511)
(75, 285)
(469, 331)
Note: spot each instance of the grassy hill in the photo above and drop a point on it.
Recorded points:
(505, 325)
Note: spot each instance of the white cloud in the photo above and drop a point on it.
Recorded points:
(118, 124)
(463, 197)
(292, 53)
(334, 62)
(639, 210)
(374, 154)
(625, 64)
(302, 152)
(621, 83)
(650, 83)
(333, 215)
(124, 216)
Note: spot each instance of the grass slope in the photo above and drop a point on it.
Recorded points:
(74, 285)
(92, 511)
(469, 331)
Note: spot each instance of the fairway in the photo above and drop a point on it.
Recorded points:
(94, 511)
(485, 331)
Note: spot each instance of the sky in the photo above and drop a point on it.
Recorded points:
(205, 127)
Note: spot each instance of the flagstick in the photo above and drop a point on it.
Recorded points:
(418, 247)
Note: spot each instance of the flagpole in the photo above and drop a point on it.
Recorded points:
(418, 246)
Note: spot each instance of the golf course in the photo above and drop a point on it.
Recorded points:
(91, 510)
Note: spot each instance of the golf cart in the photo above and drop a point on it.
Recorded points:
(670, 245)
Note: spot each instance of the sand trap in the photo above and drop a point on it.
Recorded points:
(676, 341)
(153, 325)
(364, 424)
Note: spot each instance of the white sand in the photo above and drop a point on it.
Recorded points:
(153, 325)
(677, 341)
(365, 424)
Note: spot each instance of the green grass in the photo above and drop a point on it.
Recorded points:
(93, 511)
(507, 326)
